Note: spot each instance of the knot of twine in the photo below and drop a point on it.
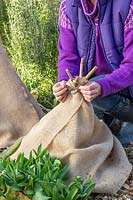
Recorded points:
(74, 83)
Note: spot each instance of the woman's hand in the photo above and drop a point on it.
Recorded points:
(60, 91)
(90, 90)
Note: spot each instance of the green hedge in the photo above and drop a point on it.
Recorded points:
(29, 32)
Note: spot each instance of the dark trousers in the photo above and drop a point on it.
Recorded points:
(118, 105)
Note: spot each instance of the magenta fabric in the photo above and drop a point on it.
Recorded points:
(68, 56)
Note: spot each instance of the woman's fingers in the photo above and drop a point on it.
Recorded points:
(57, 88)
(60, 91)
(90, 91)
(63, 84)
(89, 98)
(89, 86)
(61, 98)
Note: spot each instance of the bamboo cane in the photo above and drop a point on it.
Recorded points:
(81, 67)
(90, 73)
(69, 74)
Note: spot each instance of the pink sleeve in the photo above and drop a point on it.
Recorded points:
(63, 20)
(129, 20)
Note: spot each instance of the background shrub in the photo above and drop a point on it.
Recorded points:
(29, 33)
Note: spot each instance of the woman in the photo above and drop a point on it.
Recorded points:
(100, 31)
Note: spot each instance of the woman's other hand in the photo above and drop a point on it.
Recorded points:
(90, 90)
(60, 91)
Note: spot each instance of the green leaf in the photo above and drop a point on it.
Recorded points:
(1, 193)
(40, 196)
(29, 192)
(89, 189)
(63, 172)
(72, 194)
(8, 152)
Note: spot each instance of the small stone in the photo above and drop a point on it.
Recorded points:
(120, 198)
(126, 186)
(105, 198)
(131, 189)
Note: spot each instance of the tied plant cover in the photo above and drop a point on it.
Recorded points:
(72, 132)
(19, 111)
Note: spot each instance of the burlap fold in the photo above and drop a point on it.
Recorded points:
(72, 132)
(19, 111)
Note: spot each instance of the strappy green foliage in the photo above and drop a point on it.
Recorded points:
(40, 177)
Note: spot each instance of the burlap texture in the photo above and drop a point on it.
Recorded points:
(72, 132)
(18, 109)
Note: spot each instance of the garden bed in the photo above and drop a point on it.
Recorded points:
(125, 193)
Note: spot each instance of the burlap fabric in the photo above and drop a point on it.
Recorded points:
(72, 132)
(18, 109)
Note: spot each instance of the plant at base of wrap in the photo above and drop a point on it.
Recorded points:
(40, 177)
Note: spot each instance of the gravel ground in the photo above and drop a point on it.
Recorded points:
(126, 192)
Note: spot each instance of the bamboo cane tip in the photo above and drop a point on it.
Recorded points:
(82, 60)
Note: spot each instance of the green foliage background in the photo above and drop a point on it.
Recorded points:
(28, 29)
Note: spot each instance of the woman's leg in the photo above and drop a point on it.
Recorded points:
(116, 105)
